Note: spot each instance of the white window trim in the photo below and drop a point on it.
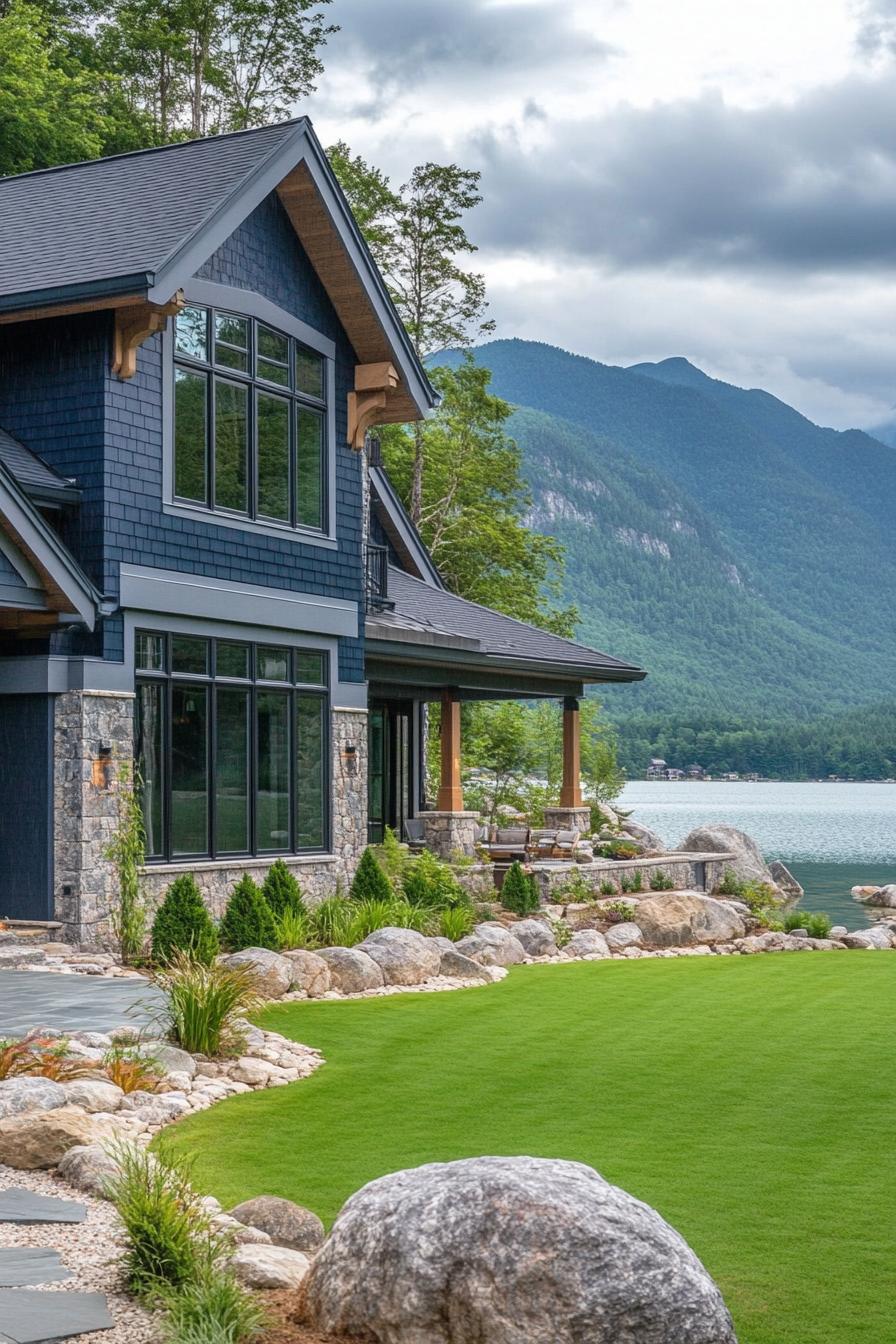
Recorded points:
(246, 303)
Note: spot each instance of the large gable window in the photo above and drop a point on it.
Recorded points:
(232, 742)
(250, 420)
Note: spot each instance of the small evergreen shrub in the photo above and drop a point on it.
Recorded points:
(248, 920)
(392, 856)
(818, 925)
(660, 881)
(370, 882)
(183, 924)
(281, 890)
(519, 893)
(731, 885)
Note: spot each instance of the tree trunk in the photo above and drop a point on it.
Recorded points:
(417, 479)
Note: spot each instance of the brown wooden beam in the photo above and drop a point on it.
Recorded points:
(375, 385)
(571, 788)
(450, 797)
(135, 325)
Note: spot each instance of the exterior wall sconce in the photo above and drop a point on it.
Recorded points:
(350, 758)
(101, 773)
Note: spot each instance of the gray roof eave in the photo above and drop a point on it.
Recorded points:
(416, 650)
(106, 288)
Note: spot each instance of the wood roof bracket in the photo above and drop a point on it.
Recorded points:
(134, 325)
(373, 384)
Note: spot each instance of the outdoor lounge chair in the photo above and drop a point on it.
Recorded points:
(509, 843)
(565, 844)
(414, 834)
(541, 843)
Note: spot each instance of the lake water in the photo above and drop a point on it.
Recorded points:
(832, 836)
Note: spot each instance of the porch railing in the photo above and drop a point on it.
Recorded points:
(378, 578)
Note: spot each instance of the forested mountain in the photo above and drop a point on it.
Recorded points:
(737, 550)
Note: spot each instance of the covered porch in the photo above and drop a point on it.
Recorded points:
(426, 646)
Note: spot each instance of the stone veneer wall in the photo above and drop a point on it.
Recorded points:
(86, 789)
(316, 874)
(86, 808)
(448, 833)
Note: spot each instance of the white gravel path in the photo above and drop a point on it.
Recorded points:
(92, 1250)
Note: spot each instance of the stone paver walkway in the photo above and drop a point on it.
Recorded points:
(30, 999)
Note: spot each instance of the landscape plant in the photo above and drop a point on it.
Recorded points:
(619, 912)
(132, 1068)
(816, 923)
(281, 890)
(456, 922)
(331, 921)
(574, 890)
(205, 1004)
(392, 856)
(38, 1056)
(370, 883)
(183, 924)
(661, 881)
(630, 882)
(608, 888)
(126, 851)
(519, 893)
(212, 1309)
(293, 928)
(248, 920)
(429, 882)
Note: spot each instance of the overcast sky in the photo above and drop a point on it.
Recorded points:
(707, 178)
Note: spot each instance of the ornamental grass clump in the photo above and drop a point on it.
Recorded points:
(215, 1309)
(248, 920)
(370, 882)
(205, 1005)
(331, 922)
(183, 924)
(456, 922)
(131, 1069)
(293, 929)
(519, 893)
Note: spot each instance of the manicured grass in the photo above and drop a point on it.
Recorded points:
(751, 1100)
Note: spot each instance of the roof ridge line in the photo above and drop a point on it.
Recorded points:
(150, 149)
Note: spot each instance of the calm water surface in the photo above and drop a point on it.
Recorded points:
(832, 836)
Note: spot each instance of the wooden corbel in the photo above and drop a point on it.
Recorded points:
(134, 325)
(373, 383)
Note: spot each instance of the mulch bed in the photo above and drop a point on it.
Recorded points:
(286, 1329)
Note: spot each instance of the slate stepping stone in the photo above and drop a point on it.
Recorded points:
(21, 1206)
(30, 1316)
(21, 1266)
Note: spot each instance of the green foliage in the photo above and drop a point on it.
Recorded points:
(617, 849)
(817, 924)
(608, 888)
(573, 890)
(428, 882)
(126, 851)
(293, 928)
(281, 890)
(392, 856)
(248, 921)
(370, 883)
(731, 884)
(183, 924)
(519, 893)
(204, 1004)
(619, 912)
(631, 882)
(215, 1309)
(757, 895)
(456, 922)
(169, 1236)
(661, 881)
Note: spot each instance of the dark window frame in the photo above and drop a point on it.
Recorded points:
(256, 384)
(255, 686)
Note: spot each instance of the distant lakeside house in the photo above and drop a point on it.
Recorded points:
(204, 570)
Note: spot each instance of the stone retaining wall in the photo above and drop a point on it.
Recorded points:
(691, 872)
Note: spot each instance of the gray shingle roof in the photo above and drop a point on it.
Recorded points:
(435, 612)
(33, 474)
(122, 216)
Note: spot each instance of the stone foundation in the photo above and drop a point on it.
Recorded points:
(568, 819)
(93, 760)
(447, 833)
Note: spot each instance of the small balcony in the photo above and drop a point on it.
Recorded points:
(377, 584)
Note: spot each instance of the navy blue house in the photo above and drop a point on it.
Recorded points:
(203, 568)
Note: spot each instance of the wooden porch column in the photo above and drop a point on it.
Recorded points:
(450, 797)
(571, 788)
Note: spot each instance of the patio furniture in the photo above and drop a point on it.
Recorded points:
(542, 842)
(508, 843)
(415, 835)
(565, 843)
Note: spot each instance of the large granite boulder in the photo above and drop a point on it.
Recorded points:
(40, 1139)
(881, 896)
(536, 936)
(271, 971)
(492, 945)
(286, 1224)
(509, 1250)
(351, 970)
(93, 1095)
(20, 1095)
(620, 936)
(587, 943)
(650, 842)
(459, 967)
(680, 918)
(404, 956)
(719, 838)
(89, 1167)
(785, 881)
(310, 973)
(260, 1266)
(875, 937)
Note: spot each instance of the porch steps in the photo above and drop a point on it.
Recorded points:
(33, 930)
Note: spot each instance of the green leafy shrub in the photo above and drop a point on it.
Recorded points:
(331, 922)
(561, 931)
(573, 890)
(456, 922)
(370, 882)
(661, 881)
(204, 1004)
(731, 884)
(608, 888)
(631, 882)
(519, 893)
(392, 856)
(619, 912)
(281, 890)
(428, 882)
(248, 920)
(617, 849)
(818, 925)
(170, 1241)
(183, 924)
(215, 1309)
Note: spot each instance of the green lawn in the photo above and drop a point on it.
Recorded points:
(751, 1100)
